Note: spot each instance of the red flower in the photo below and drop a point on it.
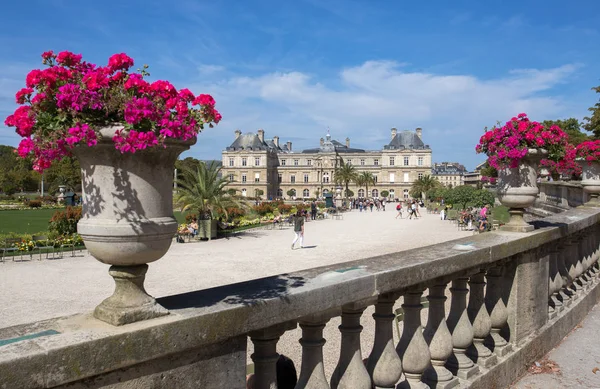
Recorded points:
(23, 94)
(67, 58)
(204, 100)
(120, 62)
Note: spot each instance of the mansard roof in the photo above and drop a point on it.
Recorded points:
(251, 141)
(406, 140)
(331, 146)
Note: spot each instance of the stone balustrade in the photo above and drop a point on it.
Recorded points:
(513, 296)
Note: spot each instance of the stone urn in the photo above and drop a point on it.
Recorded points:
(127, 219)
(590, 180)
(517, 189)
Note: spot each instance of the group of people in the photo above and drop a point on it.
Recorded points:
(368, 204)
(470, 216)
(412, 207)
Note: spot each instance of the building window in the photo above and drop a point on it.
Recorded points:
(279, 192)
(305, 177)
(406, 179)
(361, 193)
(375, 178)
(392, 177)
(420, 175)
(375, 193)
(243, 178)
(376, 162)
(256, 161)
(283, 162)
(391, 193)
(420, 161)
(231, 178)
(305, 193)
(325, 177)
(279, 178)
(256, 177)
(244, 192)
(405, 161)
(349, 162)
(405, 193)
(309, 162)
(292, 179)
(231, 161)
(296, 161)
(392, 161)
(362, 162)
(244, 162)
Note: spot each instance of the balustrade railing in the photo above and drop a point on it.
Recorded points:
(506, 290)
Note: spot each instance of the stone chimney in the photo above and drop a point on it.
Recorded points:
(419, 132)
(394, 132)
(321, 142)
(289, 145)
(276, 141)
(237, 133)
(261, 135)
(348, 142)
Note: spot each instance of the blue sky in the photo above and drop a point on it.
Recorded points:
(295, 68)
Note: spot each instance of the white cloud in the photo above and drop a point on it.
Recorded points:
(205, 69)
(365, 101)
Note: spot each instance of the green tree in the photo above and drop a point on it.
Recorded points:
(64, 172)
(462, 195)
(203, 189)
(572, 127)
(258, 192)
(423, 185)
(481, 197)
(291, 192)
(592, 122)
(365, 179)
(349, 193)
(344, 174)
(384, 193)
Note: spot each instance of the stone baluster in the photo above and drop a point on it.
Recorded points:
(562, 261)
(571, 262)
(462, 331)
(384, 364)
(589, 248)
(496, 307)
(350, 372)
(438, 337)
(587, 258)
(594, 244)
(555, 283)
(312, 371)
(412, 347)
(580, 262)
(480, 319)
(265, 354)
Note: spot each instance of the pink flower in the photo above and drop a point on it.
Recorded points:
(96, 79)
(120, 62)
(46, 55)
(25, 147)
(67, 58)
(33, 78)
(23, 95)
(204, 100)
(186, 95)
(139, 109)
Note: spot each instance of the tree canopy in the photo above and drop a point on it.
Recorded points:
(345, 174)
(572, 127)
(592, 122)
(423, 185)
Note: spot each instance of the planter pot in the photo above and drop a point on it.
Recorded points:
(207, 229)
(127, 219)
(517, 189)
(590, 180)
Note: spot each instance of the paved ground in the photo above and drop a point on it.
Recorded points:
(575, 363)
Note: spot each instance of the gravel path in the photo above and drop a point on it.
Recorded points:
(36, 290)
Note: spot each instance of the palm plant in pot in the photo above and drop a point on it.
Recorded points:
(515, 150)
(126, 134)
(588, 157)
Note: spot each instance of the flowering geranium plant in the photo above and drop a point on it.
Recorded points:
(505, 146)
(589, 151)
(564, 166)
(65, 104)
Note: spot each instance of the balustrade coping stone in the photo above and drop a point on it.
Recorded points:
(87, 347)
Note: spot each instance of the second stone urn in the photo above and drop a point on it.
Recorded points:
(590, 180)
(127, 219)
(517, 189)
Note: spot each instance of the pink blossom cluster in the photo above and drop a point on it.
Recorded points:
(64, 105)
(567, 165)
(505, 146)
(491, 180)
(588, 151)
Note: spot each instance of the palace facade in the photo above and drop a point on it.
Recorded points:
(267, 168)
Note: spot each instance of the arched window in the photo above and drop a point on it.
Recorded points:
(375, 193)
(325, 191)
(391, 193)
(405, 193)
(279, 192)
(244, 192)
(361, 193)
(305, 193)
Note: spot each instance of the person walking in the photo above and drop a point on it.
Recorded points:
(298, 229)
(313, 210)
(399, 209)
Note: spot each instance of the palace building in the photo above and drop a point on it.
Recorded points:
(256, 166)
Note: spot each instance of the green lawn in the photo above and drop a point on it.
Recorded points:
(30, 221)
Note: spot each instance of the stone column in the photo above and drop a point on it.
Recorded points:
(350, 372)
(480, 319)
(555, 283)
(384, 365)
(438, 337)
(312, 372)
(527, 276)
(496, 306)
(562, 261)
(265, 354)
(412, 348)
(574, 270)
(579, 262)
(462, 331)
